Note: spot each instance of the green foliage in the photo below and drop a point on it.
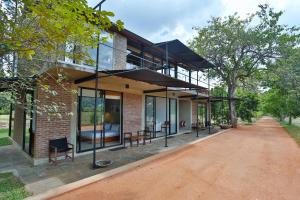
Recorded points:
(219, 109)
(240, 47)
(247, 105)
(32, 27)
(11, 187)
(37, 34)
(293, 130)
(283, 77)
(4, 103)
(5, 141)
(274, 104)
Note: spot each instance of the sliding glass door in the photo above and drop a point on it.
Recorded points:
(156, 109)
(173, 116)
(108, 119)
(86, 119)
(112, 119)
(150, 113)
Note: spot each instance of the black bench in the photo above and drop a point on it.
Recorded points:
(58, 146)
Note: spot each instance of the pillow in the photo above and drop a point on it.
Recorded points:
(107, 126)
(115, 127)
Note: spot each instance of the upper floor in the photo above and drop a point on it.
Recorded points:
(125, 50)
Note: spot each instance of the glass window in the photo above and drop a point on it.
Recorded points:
(106, 52)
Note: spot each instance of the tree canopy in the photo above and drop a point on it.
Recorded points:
(34, 33)
(240, 47)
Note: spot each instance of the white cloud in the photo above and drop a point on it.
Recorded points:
(162, 20)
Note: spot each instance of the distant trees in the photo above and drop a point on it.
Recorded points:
(240, 47)
(247, 104)
(282, 79)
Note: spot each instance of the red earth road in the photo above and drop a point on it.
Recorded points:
(251, 162)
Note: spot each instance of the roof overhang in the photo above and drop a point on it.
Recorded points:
(189, 57)
(153, 77)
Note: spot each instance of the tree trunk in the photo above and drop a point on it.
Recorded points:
(290, 120)
(232, 106)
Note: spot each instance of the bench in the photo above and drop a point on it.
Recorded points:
(58, 146)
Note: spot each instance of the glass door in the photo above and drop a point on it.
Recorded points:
(85, 135)
(201, 114)
(150, 114)
(173, 115)
(112, 119)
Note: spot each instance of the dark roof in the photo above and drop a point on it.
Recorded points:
(153, 77)
(184, 53)
(176, 49)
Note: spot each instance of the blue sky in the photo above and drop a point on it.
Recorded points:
(161, 20)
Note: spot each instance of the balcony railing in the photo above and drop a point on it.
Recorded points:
(137, 62)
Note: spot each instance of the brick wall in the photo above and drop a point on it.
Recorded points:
(119, 56)
(56, 127)
(132, 116)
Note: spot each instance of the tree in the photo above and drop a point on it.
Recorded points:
(283, 77)
(219, 109)
(274, 103)
(240, 47)
(247, 104)
(35, 34)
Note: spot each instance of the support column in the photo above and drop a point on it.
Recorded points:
(166, 123)
(176, 70)
(209, 103)
(10, 119)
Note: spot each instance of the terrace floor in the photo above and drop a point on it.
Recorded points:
(41, 178)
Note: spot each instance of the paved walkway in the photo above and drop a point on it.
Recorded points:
(252, 162)
(39, 179)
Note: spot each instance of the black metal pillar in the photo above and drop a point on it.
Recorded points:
(209, 103)
(96, 95)
(197, 113)
(167, 60)
(10, 119)
(176, 70)
(166, 123)
(197, 77)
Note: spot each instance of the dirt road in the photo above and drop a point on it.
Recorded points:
(252, 162)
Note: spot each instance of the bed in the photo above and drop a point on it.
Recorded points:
(111, 133)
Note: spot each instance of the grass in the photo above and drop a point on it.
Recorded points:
(3, 132)
(11, 188)
(293, 130)
(4, 140)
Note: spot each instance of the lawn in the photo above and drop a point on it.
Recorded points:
(11, 188)
(293, 130)
(4, 140)
(3, 132)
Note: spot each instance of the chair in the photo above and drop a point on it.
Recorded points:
(165, 126)
(147, 135)
(60, 145)
(132, 137)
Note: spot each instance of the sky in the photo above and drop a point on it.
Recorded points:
(163, 20)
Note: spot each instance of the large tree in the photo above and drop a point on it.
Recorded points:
(239, 47)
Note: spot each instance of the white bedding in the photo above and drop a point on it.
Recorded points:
(90, 134)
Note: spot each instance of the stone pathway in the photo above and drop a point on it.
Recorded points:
(41, 178)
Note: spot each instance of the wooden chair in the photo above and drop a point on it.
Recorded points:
(128, 136)
(147, 135)
(60, 145)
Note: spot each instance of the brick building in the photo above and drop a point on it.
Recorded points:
(141, 85)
